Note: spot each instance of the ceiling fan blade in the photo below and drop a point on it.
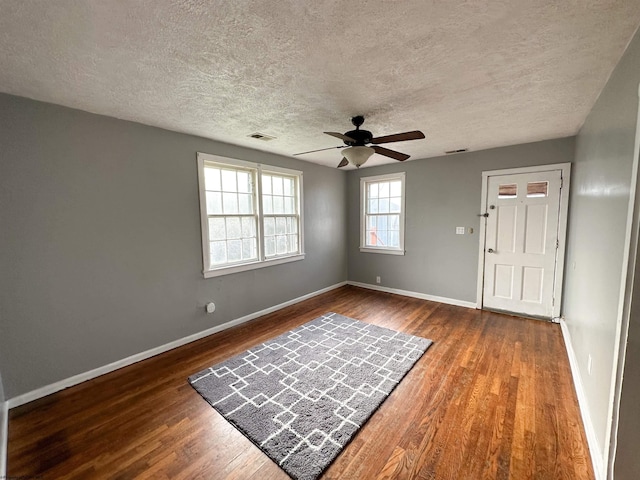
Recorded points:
(398, 137)
(343, 163)
(320, 150)
(391, 153)
(341, 136)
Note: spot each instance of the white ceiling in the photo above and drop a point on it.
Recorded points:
(469, 74)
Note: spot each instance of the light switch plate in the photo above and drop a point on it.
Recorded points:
(459, 230)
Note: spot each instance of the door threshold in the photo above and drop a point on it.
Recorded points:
(519, 314)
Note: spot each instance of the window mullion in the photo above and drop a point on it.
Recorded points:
(260, 220)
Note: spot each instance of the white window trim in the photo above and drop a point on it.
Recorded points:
(204, 226)
(363, 200)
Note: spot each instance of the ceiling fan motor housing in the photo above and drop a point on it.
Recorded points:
(361, 137)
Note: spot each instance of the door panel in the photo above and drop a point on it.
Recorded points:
(535, 229)
(520, 243)
(503, 285)
(532, 283)
(506, 229)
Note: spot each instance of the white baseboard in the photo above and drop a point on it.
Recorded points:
(423, 296)
(4, 437)
(597, 457)
(83, 377)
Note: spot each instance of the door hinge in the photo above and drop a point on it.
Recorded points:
(553, 301)
(557, 243)
(561, 182)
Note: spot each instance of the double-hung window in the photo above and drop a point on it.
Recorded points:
(382, 214)
(250, 214)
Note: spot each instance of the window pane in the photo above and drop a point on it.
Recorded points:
(396, 188)
(249, 249)
(266, 184)
(229, 181)
(218, 252)
(269, 226)
(248, 227)
(281, 244)
(270, 246)
(230, 202)
(217, 230)
(383, 205)
(293, 243)
(508, 191)
(394, 239)
(373, 190)
(371, 222)
(267, 205)
(294, 225)
(277, 186)
(288, 205)
(281, 225)
(288, 187)
(370, 238)
(383, 189)
(382, 222)
(382, 238)
(537, 189)
(373, 206)
(278, 204)
(212, 178)
(374, 238)
(234, 250)
(234, 229)
(245, 203)
(214, 203)
(394, 204)
(244, 182)
(394, 222)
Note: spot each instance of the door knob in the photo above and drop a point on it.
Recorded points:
(490, 250)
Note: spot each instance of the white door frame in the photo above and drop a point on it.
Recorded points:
(565, 169)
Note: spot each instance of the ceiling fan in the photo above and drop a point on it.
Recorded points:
(356, 140)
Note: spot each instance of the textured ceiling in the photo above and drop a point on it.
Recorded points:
(470, 74)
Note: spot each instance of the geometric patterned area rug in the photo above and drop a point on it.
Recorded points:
(302, 396)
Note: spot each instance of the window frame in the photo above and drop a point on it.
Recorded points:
(257, 170)
(364, 182)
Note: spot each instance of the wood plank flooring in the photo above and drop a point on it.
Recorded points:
(491, 399)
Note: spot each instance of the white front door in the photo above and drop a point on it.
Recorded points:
(521, 240)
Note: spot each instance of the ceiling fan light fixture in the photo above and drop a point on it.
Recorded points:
(357, 156)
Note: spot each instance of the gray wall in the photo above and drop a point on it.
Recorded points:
(441, 194)
(2, 397)
(101, 250)
(599, 201)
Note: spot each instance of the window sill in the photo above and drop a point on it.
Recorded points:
(385, 251)
(251, 266)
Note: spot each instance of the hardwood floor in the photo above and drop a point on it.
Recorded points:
(491, 399)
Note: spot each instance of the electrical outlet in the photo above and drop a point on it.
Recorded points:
(470, 230)
(589, 364)
(378, 279)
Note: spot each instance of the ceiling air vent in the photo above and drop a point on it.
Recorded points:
(460, 150)
(261, 136)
